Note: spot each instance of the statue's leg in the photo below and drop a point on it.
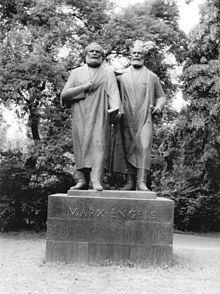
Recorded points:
(81, 181)
(96, 177)
(86, 172)
(97, 171)
(148, 179)
(141, 180)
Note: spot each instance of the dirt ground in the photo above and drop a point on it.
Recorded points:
(195, 270)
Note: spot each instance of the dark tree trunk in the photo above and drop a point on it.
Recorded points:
(34, 123)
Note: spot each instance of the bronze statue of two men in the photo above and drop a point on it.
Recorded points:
(96, 98)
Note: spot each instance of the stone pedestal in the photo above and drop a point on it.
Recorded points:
(108, 227)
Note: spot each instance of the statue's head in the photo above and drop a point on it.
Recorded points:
(94, 54)
(137, 56)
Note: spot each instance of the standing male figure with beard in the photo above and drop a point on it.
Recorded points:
(93, 93)
(142, 97)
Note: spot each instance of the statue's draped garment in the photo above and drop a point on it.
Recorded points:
(89, 114)
(138, 92)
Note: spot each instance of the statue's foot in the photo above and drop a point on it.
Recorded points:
(128, 187)
(142, 186)
(81, 185)
(130, 184)
(97, 186)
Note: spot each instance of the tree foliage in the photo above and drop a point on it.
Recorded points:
(192, 147)
(3, 129)
(32, 74)
(155, 24)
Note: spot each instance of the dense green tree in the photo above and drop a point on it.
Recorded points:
(192, 145)
(31, 74)
(202, 90)
(3, 130)
(155, 24)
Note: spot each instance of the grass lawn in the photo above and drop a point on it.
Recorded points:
(196, 270)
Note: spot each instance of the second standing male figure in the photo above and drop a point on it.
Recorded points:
(142, 97)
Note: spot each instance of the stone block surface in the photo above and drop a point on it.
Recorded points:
(109, 226)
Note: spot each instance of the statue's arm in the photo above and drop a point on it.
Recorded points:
(160, 98)
(113, 92)
(121, 93)
(71, 92)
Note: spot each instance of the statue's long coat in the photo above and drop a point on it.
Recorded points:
(138, 94)
(89, 114)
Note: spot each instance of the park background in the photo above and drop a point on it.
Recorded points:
(41, 41)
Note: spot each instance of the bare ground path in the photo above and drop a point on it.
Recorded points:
(195, 270)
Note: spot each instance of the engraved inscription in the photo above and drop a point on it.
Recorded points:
(73, 211)
(122, 213)
(132, 214)
(140, 214)
(83, 213)
(91, 212)
(153, 214)
(112, 213)
(100, 213)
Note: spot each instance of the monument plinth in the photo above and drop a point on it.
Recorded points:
(126, 227)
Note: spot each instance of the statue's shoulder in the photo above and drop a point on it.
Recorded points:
(116, 71)
(107, 68)
(121, 74)
(78, 69)
(151, 73)
(124, 71)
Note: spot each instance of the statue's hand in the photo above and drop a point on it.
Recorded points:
(156, 110)
(114, 115)
(88, 86)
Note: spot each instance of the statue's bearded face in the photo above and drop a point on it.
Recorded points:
(137, 57)
(94, 55)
